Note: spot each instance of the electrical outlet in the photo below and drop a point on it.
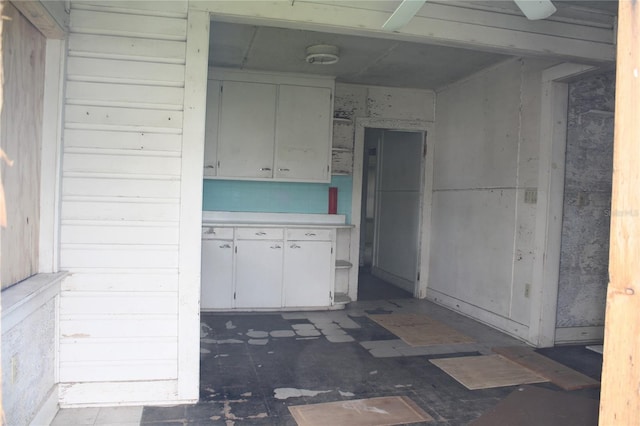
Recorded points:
(527, 290)
(14, 369)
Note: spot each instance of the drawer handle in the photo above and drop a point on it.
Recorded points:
(225, 246)
(265, 169)
(210, 167)
(261, 233)
(310, 234)
(276, 246)
(284, 170)
(210, 231)
(294, 246)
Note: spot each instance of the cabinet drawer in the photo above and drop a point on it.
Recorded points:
(217, 233)
(260, 233)
(300, 234)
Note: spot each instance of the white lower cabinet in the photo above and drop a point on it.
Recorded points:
(217, 274)
(307, 273)
(258, 281)
(267, 268)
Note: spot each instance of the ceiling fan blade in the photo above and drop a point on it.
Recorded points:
(403, 14)
(536, 9)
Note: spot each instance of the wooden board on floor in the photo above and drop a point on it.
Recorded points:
(534, 406)
(392, 410)
(420, 330)
(559, 374)
(486, 371)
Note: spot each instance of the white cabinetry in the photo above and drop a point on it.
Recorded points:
(258, 274)
(246, 130)
(308, 275)
(217, 268)
(268, 126)
(303, 130)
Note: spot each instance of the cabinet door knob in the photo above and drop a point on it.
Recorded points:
(284, 170)
(276, 246)
(225, 246)
(265, 169)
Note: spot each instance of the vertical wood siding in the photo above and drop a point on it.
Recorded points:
(121, 202)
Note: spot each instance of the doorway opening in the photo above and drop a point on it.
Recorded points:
(390, 229)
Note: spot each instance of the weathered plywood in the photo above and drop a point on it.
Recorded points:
(558, 374)
(420, 330)
(619, 403)
(40, 18)
(23, 56)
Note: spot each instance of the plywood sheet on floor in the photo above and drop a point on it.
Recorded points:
(486, 371)
(559, 374)
(534, 406)
(392, 410)
(420, 330)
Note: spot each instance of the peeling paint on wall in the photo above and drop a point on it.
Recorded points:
(587, 199)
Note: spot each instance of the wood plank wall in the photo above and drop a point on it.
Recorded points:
(23, 55)
(121, 201)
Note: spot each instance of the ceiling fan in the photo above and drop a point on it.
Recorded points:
(532, 9)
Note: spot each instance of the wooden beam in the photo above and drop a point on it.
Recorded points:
(40, 17)
(441, 25)
(620, 398)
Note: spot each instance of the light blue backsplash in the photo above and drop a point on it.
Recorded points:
(275, 197)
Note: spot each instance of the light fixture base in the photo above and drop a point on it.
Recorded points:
(322, 54)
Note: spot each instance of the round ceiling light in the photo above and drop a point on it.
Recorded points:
(322, 54)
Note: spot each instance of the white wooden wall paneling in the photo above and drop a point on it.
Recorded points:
(125, 72)
(191, 204)
(124, 95)
(116, 371)
(97, 326)
(100, 255)
(123, 117)
(128, 25)
(170, 8)
(142, 164)
(106, 187)
(115, 302)
(85, 234)
(121, 140)
(491, 36)
(126, 48)
(135, 279)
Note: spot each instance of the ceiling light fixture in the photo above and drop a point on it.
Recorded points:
(322, 54)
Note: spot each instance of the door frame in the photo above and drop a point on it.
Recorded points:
(427, 127)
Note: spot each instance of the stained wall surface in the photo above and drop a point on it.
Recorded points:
(587, 200)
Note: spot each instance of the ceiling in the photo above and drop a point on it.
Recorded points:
(363, 60)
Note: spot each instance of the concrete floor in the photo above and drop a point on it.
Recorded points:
(253, 366)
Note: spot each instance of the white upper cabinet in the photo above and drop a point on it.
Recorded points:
(268, 126)
(246, 130)
(303, 131)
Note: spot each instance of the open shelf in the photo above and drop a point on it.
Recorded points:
(343, 264)
(341, 299)
(342, 120)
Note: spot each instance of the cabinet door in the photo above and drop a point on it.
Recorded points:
(211, 128)
(217, 274)
(307, 273)
(258, 274)
(303, 133)
(247, 129)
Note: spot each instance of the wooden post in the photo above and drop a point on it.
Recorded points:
(620, 398)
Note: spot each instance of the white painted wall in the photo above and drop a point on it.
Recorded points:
(121, 205)
(486, 155)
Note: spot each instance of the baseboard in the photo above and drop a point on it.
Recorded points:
(501, 323)
(567, 335)
(393, 279)
(48, 409)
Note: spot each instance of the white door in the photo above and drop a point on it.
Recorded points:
(217, 274)
(397, 218)
(303, 133)
(259, 274)
(247, 130)
(307, 273)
